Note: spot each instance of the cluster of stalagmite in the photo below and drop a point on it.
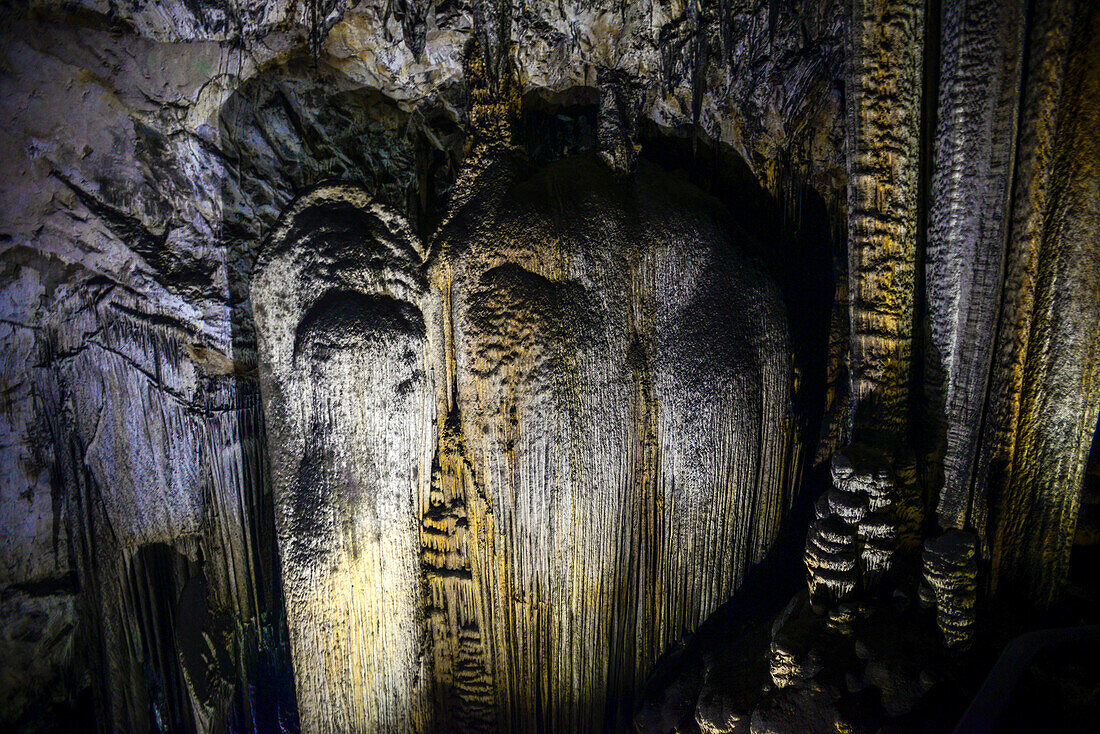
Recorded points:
(854, 536)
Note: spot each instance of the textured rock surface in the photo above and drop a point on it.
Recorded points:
(884, 79)
(338, 305)
(969, 217)
(148, 149)
(635, 420)
(1046, 391)
(155, 146)
(610, 488)
(998, 194)
(949, 583)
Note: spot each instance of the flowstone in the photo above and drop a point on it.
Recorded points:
(511, 471)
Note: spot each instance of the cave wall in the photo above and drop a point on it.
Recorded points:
(148, 150)
(1010, 276)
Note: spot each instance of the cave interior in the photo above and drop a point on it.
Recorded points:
(604, 365)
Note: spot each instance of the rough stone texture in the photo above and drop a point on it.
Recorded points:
(209, 21)
(38, 646)
(884, 79)
(668, 509)
(832, 559)
(148, 148)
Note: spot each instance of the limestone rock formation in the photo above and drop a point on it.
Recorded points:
(949, 583)
(853, 540)
(336, 298)
(567, 397)
(567, 316)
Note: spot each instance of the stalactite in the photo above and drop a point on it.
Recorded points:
(980, 82)
(883, 129)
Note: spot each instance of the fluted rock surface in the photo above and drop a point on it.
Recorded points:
(572, 397)
(969, 219)
(1011, 284)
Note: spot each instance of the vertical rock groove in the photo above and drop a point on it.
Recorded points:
(455, 615)
(1047, 370)
(1047, 48)
(979, 97)
(166, 558)
(618, 373)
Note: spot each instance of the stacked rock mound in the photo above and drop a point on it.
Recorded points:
(854, 538)
(855, 651)
(950, 584)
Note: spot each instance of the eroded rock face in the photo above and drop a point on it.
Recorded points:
(570, 396)
(617, 359)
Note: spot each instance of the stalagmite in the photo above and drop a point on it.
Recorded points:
(832, 560)
(949, 583)
(853, 540)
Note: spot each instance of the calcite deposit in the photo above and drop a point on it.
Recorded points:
(447, 365)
